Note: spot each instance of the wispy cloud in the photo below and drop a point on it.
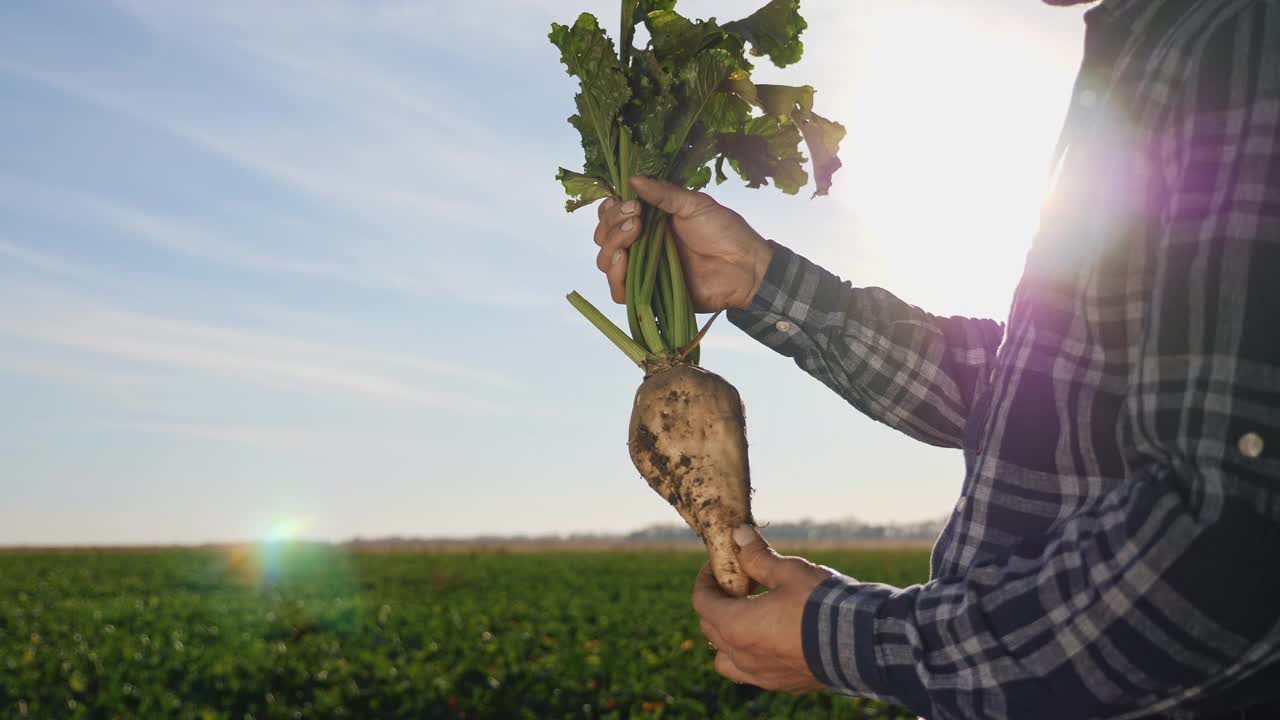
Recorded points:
(45, 315)
(326, 258)
(390, 124)
(45, 263)
(115, 384)
(424, 200)
(282, 438)
(485, 30)
(171, 234)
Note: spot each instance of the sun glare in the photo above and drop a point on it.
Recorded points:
(263, 562)
(284, 531)
(948, 151)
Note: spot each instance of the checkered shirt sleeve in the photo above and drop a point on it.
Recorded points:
(913, 371)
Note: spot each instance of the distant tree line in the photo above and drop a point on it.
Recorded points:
(839, 530)
(850, 530)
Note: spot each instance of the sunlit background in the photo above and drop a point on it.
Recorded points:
(290, 270)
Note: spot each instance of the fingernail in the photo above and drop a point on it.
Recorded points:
(629, 225)
(744, 535)
(630, 207)
(617, 257)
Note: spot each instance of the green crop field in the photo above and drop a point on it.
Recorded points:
(316, 632)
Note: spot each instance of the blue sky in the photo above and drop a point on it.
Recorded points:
(302, 264)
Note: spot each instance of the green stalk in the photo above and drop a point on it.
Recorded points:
(696, 353)
(664, 318)
(628, 31)
(649, 329)
(652, 255)
(611, 331)
(660, 309)
(625, 145)
(635, 274)
(669, 319)
(633, 316)
(680, 306)
(640, 267)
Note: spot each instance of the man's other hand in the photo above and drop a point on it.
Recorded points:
(757, 638)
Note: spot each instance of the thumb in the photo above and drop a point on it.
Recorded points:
(671, 199)
(757, 559)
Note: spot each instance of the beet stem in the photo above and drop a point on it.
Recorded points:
(615, 334)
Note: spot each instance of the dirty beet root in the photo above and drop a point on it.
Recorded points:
(688, 439)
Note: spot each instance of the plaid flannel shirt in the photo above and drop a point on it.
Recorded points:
(1115, 548)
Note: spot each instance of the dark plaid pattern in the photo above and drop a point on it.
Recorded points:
(1115, 551)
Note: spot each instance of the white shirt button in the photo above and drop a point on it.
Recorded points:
(783, 326)
(1088, 98)
(1251, 445)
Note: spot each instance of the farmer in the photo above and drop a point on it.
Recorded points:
(1116, 545)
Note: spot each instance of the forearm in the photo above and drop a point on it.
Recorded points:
(1144, 603)
(913, 371)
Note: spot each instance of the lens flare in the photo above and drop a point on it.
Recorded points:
(268, 561)
(275, 550)
(303, 586)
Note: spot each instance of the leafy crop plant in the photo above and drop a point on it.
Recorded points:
(681, 109)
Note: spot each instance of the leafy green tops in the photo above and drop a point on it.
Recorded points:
(682, 108)
(687, 99)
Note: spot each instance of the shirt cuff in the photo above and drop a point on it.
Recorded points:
(840, 638)
(785, 301)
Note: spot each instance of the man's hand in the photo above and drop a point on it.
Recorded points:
(758, 637)
(724, 259)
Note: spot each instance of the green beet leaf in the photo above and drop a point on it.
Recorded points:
(773, 30)
(767, 148)
(823, 137)
(699, 81)
(582, 189)
(795, 104)
(588, 54)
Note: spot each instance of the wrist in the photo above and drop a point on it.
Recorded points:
(758, 268)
